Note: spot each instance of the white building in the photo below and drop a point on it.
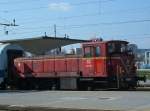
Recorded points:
(147, 57)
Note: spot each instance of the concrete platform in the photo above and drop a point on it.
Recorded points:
(91, 100)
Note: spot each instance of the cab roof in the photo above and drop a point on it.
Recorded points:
(105, 42)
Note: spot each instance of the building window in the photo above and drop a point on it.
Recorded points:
(147, 54)
(147, 61)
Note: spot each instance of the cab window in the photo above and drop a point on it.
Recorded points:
(88, 51)
(123, 47)
(97, 51)
(111, 48)
(116, 48)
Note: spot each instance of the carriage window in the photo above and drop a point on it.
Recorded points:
(88, 51)
(97, 51)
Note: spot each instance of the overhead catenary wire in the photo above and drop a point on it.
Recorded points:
(77, 26)
(105, 23)
(38, 29)
(28, 20)
(125, 36)
(18, 2)
(61, 18)
(61, 27)
(75, 16)
(44, 7)
(5, 19)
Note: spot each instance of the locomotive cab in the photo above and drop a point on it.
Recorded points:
(93, 62)
(121, 64)
(111, 63)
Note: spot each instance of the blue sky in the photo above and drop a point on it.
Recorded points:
(80, 19)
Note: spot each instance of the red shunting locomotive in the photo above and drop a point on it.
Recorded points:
(103, 64)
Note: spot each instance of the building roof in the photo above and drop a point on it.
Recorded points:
(39, 45)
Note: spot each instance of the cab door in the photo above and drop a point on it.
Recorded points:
(88, 62)
(99, 62)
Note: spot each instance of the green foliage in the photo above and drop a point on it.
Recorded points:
(144, 73)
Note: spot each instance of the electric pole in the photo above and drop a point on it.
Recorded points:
(13, 24)
(9, 24)
(55, 30)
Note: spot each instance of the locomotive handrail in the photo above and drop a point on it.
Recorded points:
(124, 65)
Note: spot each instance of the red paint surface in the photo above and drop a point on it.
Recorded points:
(48, 65)
(28, 66)
(62, 67)
(38, 66)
